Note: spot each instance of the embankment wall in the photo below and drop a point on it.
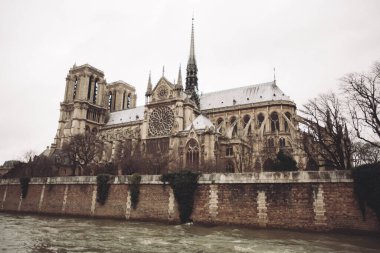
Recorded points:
(313, 201)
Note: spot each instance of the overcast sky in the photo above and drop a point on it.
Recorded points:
(310, 43)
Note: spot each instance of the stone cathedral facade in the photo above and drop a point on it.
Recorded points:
(235, 130)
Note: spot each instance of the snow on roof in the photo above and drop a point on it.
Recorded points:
(201, 122)
(242, 95)
(125, 116)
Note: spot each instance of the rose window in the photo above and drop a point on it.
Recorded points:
(161, 121)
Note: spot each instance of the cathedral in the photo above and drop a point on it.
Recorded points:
(236, 130)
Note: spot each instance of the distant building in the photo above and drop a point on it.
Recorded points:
(236, 130)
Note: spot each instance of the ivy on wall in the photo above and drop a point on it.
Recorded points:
(24, 184)
(102, 183)
(367, 187)
(134, 188)
(184, 185)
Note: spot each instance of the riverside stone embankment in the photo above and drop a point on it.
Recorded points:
(314, 201)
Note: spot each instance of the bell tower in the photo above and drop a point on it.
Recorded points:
(84, 105)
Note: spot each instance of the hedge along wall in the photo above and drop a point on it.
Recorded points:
(316, 201)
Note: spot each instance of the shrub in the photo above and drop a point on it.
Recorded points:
(184, 185)
(134, 189)
(102, 188)
(367, 187)
(24, 184)
(284, 162)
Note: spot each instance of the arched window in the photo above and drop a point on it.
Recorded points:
(270, 142)
(87, 129)
(110, 102)
(192, 154)
(75, 87)
(129, 101)
(260, 119)
(230, 167)
(282, 142)
(89, 88)
(233, 123)
(124, 99)
(275, 124)
(246, 120)
(286, 125)
(268, 164)
(94, 130)
(95, 95)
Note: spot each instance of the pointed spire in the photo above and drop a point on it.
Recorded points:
(192, 71)
(149, 88)
(192, 50)
(163, 70)
(179, 80)
(274, 75)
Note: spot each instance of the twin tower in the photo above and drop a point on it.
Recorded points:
(89, 99)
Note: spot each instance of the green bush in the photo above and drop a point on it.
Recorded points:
(102, 188)
(24, 184)
(284, 162)
(367, 187)
(184, 185)
(134, 189)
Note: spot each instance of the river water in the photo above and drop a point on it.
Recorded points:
(52, 234)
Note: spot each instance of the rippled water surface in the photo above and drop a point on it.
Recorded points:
(48, 234)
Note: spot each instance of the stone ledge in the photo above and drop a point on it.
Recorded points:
(214, 178)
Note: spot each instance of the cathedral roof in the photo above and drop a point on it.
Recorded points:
(125, 116)
(200, 122)
(243, 95)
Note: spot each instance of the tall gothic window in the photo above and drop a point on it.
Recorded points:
(89, 88)
(282, 142)
(275, 124)
(124, 99)
(114, 100)
(129, 101)
(260, 119)
(286, 125)
(75, 87)
(246, 120)
(192, 154)
(95, 95)
(110, 102)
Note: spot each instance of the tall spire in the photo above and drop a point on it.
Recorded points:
(192, 70)
(192, 48)
(179, 86)
(149, 87)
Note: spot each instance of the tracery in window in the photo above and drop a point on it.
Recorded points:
(260, 119)
(192, 154)
(75, 87)
(233, 124)
(275, 124)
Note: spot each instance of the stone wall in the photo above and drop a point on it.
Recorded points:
(314, 201)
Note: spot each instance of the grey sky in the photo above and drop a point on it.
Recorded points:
(311, 43)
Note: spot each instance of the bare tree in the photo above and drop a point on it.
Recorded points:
(327, 135)
(29, 156)
(365, 153)
(82, 149)
(363, 99)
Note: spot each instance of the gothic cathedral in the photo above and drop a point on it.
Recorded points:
(236, 130)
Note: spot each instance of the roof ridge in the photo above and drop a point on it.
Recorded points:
(240, 87)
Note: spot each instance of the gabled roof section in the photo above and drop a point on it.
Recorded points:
(243, 95)
(126, 116)
(201, 122)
